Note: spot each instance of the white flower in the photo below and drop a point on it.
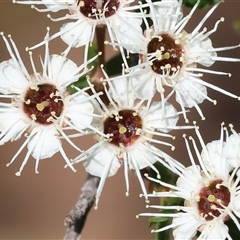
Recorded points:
(232, 148)
(122, 22)
(170, 57)
(39, 106)
(126, 134)
(210, 191)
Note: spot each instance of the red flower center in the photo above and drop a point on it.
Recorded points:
(96, 9)
(169, 54)
(124, 128)
(212, 198)
(43, 103)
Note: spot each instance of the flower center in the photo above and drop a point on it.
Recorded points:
(169, 54)
(42, 103)
(124, 127)
(212, 198)
(97, 9)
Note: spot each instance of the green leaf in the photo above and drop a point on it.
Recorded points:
(233, 230)
(177, 201)
(166, 174)
(92, 52)
(203, 3)
(81, 83)
(154, 220)
(160, 222)
(114, 65)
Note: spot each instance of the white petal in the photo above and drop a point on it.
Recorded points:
(189, 94)
(96, 164)
(236, 205)
(231, 150)
(56, 5)
(80, 113)
(144, 84)
(169, 7)
(187, 228)
(12, 79)
(157, 118)
(128, 33)
(62, 69)
(143, 157)
(214, 160)
(190, 180)
(201, 53)
(77, 34)
(11, 125)
(121, 91)
(215, 229)
(45, 142)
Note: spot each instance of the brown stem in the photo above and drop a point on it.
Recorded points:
(100, 37)
(76, 218)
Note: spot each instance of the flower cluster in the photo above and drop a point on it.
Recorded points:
(128, 114)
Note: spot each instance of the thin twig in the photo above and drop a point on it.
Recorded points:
(100, 38)
(76, 218)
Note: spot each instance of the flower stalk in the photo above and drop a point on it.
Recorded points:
(77, 217)
(100, 39)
